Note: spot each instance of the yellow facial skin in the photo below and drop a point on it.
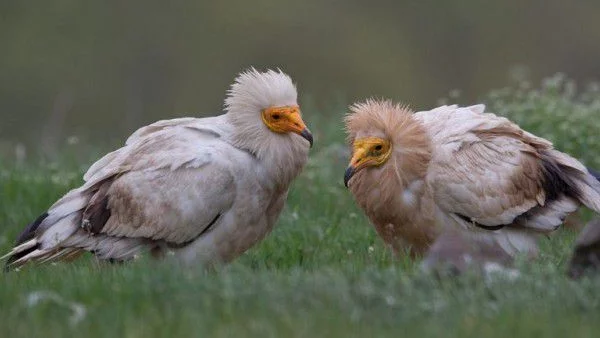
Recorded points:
(286, 119)
(366, 152)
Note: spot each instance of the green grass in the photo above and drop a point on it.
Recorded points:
(322, 272)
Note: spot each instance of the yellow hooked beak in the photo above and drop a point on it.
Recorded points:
(366, 152)
(357, 162)
(286, 119)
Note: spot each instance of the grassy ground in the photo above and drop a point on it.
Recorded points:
(322, 272)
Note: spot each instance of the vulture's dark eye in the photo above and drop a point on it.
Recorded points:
(275, 116)
(378, 147)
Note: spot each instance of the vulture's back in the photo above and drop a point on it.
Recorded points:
(488, 173)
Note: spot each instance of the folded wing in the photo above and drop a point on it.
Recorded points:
(169, 188)
(488, 172)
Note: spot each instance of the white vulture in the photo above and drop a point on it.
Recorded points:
(418, 174)
(206, 189)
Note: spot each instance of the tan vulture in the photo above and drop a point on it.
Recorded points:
(416, 174)
(206, 189)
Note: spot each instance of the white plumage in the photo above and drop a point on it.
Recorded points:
(205, 188)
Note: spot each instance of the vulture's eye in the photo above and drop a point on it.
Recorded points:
(275, 116)
(378, 147)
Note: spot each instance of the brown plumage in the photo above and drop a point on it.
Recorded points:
(415, 174)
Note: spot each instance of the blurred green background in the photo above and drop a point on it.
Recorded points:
(98, 70)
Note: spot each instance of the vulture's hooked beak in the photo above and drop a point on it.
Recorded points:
(359, 161)
(348, 175)
(307, 135)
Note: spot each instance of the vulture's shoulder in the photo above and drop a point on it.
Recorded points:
(168, 144)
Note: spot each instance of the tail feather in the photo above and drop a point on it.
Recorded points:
(19, 249)
(26, 242)
(63, 254)
(29, 231)
(594, 173)
(583, 184)
(31, 251)
(58, 233)
(44, 235)
(590, 184)
(35, 254)
(74, 201)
